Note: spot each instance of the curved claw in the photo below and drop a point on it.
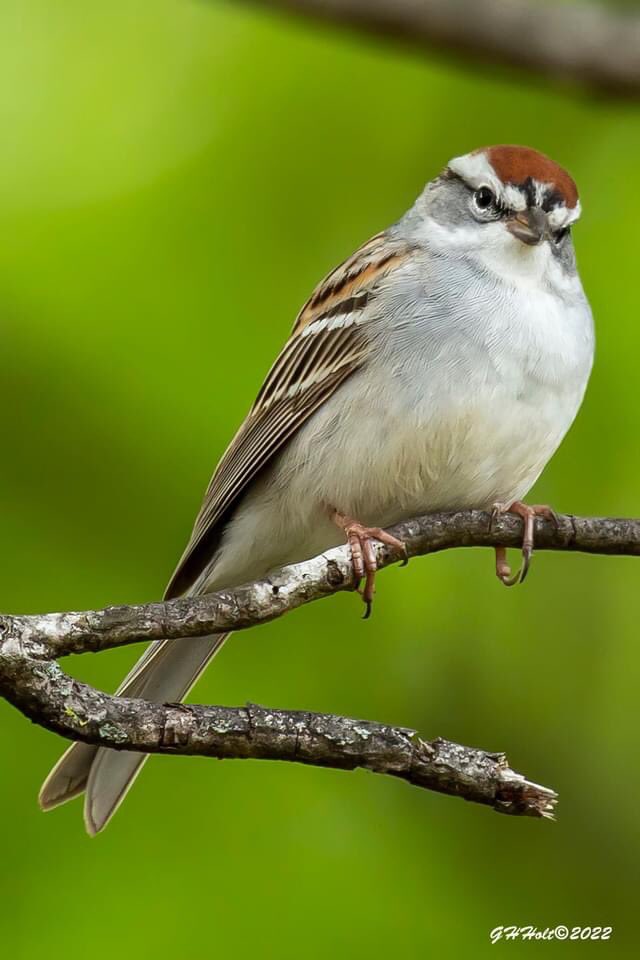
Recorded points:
(528, 515)
(526, 563)
(363, 555)
(503, 568)
(513, 579)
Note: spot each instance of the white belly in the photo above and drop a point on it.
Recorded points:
(381, 458)
(447, 416)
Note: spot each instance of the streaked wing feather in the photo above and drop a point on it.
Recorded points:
(328, 343)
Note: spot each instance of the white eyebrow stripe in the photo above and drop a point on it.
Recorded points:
(475, 169)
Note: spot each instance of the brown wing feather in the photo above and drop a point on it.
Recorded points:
(355, 276)
(328, 343)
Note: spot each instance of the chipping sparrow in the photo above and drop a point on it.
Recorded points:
(437, 369)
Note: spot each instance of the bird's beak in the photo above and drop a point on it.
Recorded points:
(530, 226)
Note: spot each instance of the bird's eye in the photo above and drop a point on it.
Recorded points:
(484, 198)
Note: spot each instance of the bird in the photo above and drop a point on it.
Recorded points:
(438, 368)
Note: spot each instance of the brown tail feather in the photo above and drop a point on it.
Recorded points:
(165, 672)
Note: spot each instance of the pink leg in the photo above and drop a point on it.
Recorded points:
(363, 554)
(528, 514)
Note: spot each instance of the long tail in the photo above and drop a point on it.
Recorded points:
(165, 673)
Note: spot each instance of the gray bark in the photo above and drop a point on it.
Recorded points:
(283, 590)
(32, 680)
(52, 699)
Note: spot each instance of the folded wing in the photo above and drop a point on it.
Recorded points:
(328, 343)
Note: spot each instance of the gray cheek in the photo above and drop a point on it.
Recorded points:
(565, 254)
(447, 202)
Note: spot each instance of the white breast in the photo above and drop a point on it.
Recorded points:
(471, 388)
(466, 400)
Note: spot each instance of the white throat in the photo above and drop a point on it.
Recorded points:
(502, 254)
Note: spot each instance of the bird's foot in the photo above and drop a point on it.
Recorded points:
(363, 554)
(528, 514)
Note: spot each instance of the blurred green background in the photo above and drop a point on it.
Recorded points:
(174, 178)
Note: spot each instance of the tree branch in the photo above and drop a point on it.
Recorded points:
(52, 699)
(91, 631)
(32, 681)
(594, 46)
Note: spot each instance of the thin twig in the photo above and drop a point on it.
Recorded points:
(246, 606)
